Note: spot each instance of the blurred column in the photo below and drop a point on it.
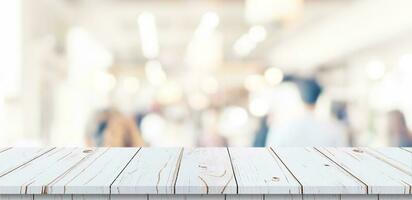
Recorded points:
(10, 65)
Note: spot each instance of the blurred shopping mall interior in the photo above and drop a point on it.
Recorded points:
(204, 72)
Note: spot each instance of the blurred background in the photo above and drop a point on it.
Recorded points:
(205, 72)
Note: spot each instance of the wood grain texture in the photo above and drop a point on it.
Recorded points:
(4, 149)
(283, 196)
(259, 171)
(317, 174)
(394, 197)
(358, 196)
(90, 197)
(409, 149)
(72, 197)
(205, 171)
(32, 177)
(380, 177)
(321, 197)
(245, 197)
(205, 197)
(128, 197)
(15, 197)
(396, 157)
(12, 158)
(187, 197)
(95, 174)
(52, 197)
(217, 173)
(152, 171)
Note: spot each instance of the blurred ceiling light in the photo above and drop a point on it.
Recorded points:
(131, 84)
(405, 61)
(247, 42)
(169, 93)
(210, 85)
(198, 101)
(153, 127)
(85, 54)
(258, 107)
(103, 81)
(205, 49)
(273, 76)
(264, 11)
(155, 73)
(232, 119)
(148, 35)
(254, 82)
(209, 22)
(210, 19)
(375, 70)
(244, 45)
(257, 33)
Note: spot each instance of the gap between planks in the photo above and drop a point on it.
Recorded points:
(233, 170)
(336, 163)
(283, 163)
(177, 170)
(381, 161)
(229, 157)
(25, 162)
(110, 187)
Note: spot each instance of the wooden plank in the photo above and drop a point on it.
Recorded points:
(321, 197)
(95, 174)
(58, 185)
(283, 197)
(128, 197)
(187, 197)
(4, 149)
(32, 177)
(52, 197)
(407, 149)
(91, 197)
(72, 197)
(245, 197)
(359, 196)
(13, 158)
(152, 171)
(317, 174)
(380, 177)
(396, 157)
(15, 197)
(205, 171)
(259, 171)
(394, 197)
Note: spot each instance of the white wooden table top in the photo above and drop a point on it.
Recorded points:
(205, 171)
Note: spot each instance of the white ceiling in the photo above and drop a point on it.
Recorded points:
(363, 24)
(325, 31)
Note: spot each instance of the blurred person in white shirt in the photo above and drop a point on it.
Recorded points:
(308, 130)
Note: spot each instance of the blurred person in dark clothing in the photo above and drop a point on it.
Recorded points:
(398, 132)
(262, 133)
(340, 113)
(112, 129)
(308, 130)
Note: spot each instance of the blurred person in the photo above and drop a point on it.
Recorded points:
(262, 133)
(398, 132)
(308, 130)
(339, 110)
(112, 129)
